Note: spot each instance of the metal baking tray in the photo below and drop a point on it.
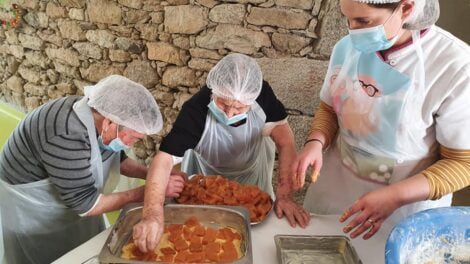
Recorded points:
(212, 216)
(294, 249)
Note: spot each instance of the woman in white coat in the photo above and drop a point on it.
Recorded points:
(393, 119)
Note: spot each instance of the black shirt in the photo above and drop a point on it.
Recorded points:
(189, 125)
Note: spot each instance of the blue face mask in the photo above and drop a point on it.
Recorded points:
(372, 39)
(222, 117)
(115, 145)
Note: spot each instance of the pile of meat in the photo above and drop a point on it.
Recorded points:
(217, 190)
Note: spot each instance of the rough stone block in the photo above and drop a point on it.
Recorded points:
(88, 50)
(284, 18)
(103, 38)
(289, 43)
(71, 30)
(119, 56)
(162, 51)
(228, 13)
(31, 42)
(66, 56)
(141, 72)
(179, 76)
(233, 37)
(185, 19)
(104, 11)
(55, 11)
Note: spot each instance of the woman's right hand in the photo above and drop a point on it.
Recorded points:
(311, 155)
(147, 233)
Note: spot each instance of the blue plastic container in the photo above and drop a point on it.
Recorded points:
(443, 228)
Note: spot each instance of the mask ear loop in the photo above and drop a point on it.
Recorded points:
(117, 131)
(394, 12)
(401, 26)
(103, 130)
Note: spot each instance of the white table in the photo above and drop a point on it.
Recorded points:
(264, 250)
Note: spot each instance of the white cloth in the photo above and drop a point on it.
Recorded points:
(37, 226)
(445, 120)
(241, 153)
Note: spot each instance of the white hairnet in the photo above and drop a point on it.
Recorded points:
(425, 12)
(126, 103)
(236, 77)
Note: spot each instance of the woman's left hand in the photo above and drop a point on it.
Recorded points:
(370, 211)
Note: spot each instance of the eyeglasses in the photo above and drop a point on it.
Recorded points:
(369, 89)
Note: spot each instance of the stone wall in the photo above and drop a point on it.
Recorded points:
(169, 47)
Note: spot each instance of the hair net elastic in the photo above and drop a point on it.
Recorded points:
(126, 103)
(424, 15)
(236, 77)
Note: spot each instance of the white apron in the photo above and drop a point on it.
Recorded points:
(375, 105)
(37, 226)
(241, 153)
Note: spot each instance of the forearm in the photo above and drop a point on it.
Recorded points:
(115, 201)
(449, 174)
(286, 158)
(324, 125)
(133, 169)
(284, 139)
(410, 190)
(157, 181)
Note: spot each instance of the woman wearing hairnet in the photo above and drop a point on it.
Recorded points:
(393, 120)
(61, 163)
(228, 129)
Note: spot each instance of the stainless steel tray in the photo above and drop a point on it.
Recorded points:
(214, 216)
(293, 249)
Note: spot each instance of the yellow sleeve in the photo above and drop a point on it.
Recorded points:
(449, 174)
(326, 122)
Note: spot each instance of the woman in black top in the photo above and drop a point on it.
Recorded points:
(231, 127)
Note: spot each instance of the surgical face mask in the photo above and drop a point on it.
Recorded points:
(115, 145)
(373, 39)
(222, 117)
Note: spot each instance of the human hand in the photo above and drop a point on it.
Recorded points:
(285, 206)
(311, 155)
(178, 172)
(175, 185)
(147, 233)
(370, 211)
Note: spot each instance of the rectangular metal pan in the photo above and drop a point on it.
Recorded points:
(212, 216)
(295, 249)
